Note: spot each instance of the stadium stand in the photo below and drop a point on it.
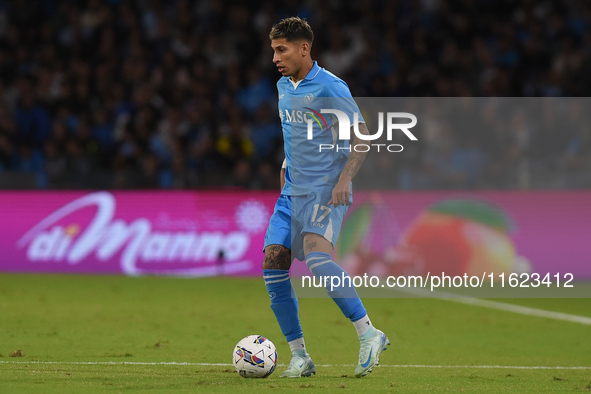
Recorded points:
(181, 94)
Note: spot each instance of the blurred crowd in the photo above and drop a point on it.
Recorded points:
(181, 93)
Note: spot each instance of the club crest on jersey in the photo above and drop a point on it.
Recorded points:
(308, 98)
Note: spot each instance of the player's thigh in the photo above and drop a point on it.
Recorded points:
(322, 223)
(316, 243)
(284, 229)
(279, 229)
(277, 257)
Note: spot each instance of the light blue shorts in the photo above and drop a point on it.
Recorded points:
(293, 217)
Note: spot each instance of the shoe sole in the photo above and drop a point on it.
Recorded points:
(307, 373)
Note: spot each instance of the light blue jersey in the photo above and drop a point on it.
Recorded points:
(311, 173)
(308, 167)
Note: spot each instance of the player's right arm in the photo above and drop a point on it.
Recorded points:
(282, 173)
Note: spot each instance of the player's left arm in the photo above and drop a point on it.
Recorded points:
(342, 191)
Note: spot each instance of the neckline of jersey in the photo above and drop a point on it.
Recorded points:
(311, 75)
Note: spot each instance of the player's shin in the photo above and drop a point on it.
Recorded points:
(285, 306)
(340, 288)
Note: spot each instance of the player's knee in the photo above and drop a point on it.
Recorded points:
(277, 257)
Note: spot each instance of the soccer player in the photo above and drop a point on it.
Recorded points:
(315, 195)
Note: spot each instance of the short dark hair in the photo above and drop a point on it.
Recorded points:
(292, 29)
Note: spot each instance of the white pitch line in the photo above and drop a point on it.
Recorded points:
(116, 363)
(318, 365)
(523, 310)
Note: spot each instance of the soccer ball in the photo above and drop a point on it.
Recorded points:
(254, 357)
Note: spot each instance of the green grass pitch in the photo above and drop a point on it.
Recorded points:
(62, 333)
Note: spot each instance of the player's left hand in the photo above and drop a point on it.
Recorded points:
(341, 193)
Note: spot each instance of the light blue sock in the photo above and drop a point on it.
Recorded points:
(344, 295)
(284, 303)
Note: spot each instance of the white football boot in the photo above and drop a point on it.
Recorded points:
(372, 343)
(300, 365)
